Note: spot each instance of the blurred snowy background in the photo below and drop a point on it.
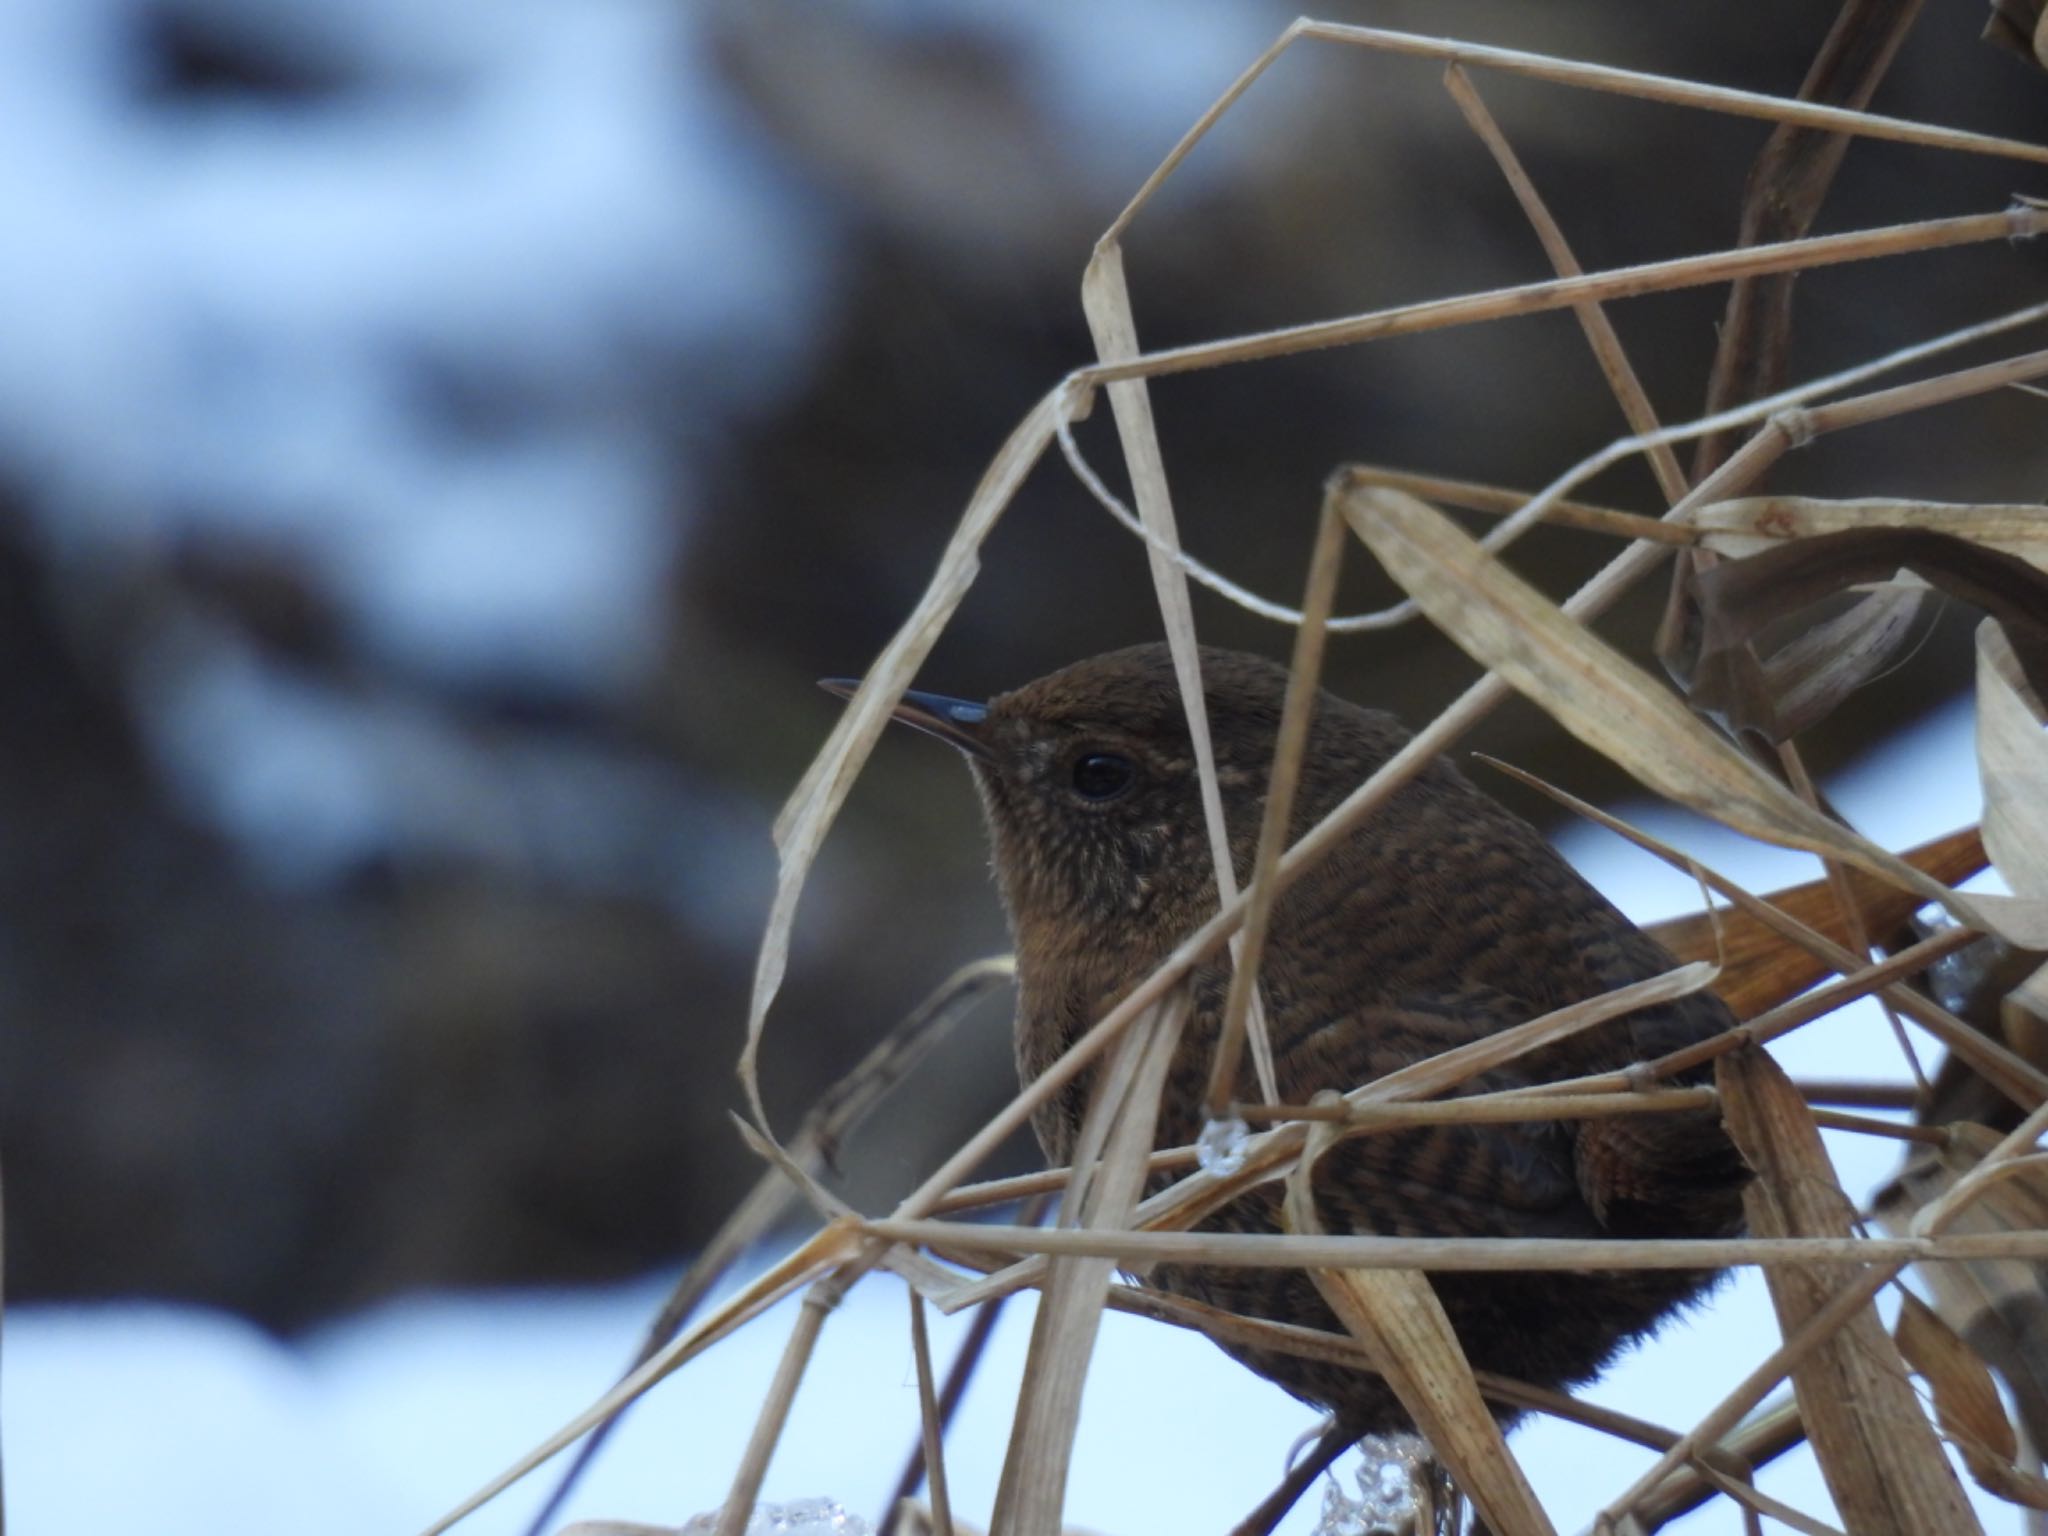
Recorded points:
(441, 441)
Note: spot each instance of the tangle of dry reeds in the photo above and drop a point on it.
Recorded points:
(1971, 1210)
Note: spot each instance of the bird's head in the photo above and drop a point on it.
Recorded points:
(1090, 786)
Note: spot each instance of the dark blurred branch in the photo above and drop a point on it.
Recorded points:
(1786, 186)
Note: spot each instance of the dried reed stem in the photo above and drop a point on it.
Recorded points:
(2019, 221)
(1600, 333)
(1290, 743)
(1252, 1250)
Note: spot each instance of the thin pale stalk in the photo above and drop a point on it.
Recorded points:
(1490, 1109)
(1106, 298)
(1253, 1250)
(2018, 222)
(1288, 748)
(929, 1416)
(1685, 93)
(1879, 405)
(819, 1304)
(1600, 333)
(1809, 1006)
(1583, 76)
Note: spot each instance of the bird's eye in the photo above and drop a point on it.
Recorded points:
(1103, 775)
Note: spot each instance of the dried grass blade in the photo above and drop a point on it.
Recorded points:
(808, 816)
(1500, 501)
(1400, 1323)
(1033, 1486)
(1715, 98)
(819, 1303)
(1257, 1250)
(1106, 298)
(1967, 1405)
(1750, 525)
(1804, 681)
(1607, 701)
(2019, 221)
(929, 1418)
(1879, 1456)
(1291, 741)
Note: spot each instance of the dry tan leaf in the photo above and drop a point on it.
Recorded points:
(1753, 524)
(1106, 299)
(1737, 598)
(1613, 705)
(1033, 1487)
(1401, 1325)
(1967, 1404)
(2012, 761)
(1802, 682)
(801, 827)
(1760, 969)
(1876, 1450)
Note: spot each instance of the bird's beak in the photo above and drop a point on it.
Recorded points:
(954, 721)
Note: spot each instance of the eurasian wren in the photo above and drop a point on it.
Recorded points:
(1443, 918)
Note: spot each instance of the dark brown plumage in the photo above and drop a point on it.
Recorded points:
(1444, 918)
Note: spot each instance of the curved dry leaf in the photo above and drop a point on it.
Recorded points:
(1995, 1304)
(1737, 598)
(2012, 761)
(1613, 705)
(1750, 525)
(801, 826)
(1967, 1404)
